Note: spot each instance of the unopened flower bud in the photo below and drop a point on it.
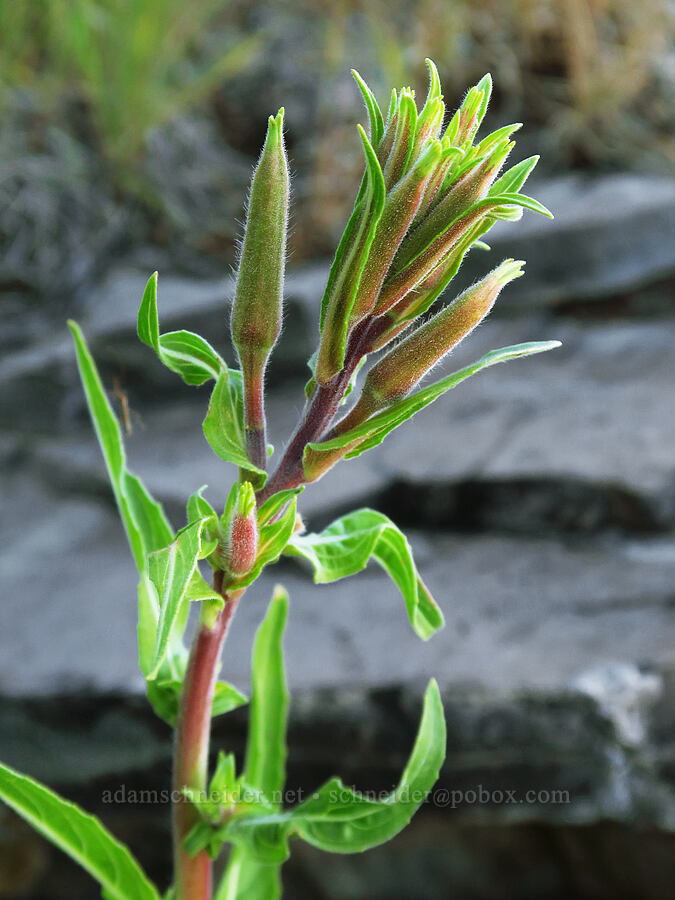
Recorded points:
(404, 124)
(257, 306)
(397, 373)
(242, 542)
(472, 186)
(415, 304)
(346, 270)
(399, 211)
(466, 121)
(407, 279)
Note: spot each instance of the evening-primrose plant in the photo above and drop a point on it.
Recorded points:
(427, 197)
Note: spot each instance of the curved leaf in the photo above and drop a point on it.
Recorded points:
(184, 352)
(340, 820)
(246, 877)
(224, 422)
(346, 547)
(374, 112)
(80, 835)
(374, 430)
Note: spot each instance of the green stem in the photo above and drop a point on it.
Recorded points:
(193, 877)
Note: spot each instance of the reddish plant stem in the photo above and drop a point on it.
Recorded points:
(193, 878)
(317, 417)
(254, 411)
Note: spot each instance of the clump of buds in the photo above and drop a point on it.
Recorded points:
(427, 197)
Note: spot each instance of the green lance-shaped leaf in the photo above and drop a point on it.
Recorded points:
(173, 572)
(146, 525)
(399, 211)
(264, 768)
(374, 430)
(513, 180)
(258, 298)
(489, 142)
(339, 820)
(349, 543)
(184, 352)
(79, 835)
(345, 272)
(224, 427)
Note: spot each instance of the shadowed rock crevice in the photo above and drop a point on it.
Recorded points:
(527, 506)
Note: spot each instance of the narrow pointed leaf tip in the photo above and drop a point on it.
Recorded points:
(184, 352)
(435, 90)
(374, 112)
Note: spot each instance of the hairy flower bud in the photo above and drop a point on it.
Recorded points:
(399, 211)
(257, 306)
(466, 121)
(398, 286)
(397, 373)
(415, 304)
(473, 185)
(404, 123)
(242, 540)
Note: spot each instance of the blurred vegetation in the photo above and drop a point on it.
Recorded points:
(131, 122)
(136, 63)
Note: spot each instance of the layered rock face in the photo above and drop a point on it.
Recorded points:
(540, 502)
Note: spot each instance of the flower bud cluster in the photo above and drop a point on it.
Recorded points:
(427, 197)
(429, 193)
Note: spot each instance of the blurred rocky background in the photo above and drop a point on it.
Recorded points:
(540, 498)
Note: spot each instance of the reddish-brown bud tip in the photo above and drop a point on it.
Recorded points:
(243, 537)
